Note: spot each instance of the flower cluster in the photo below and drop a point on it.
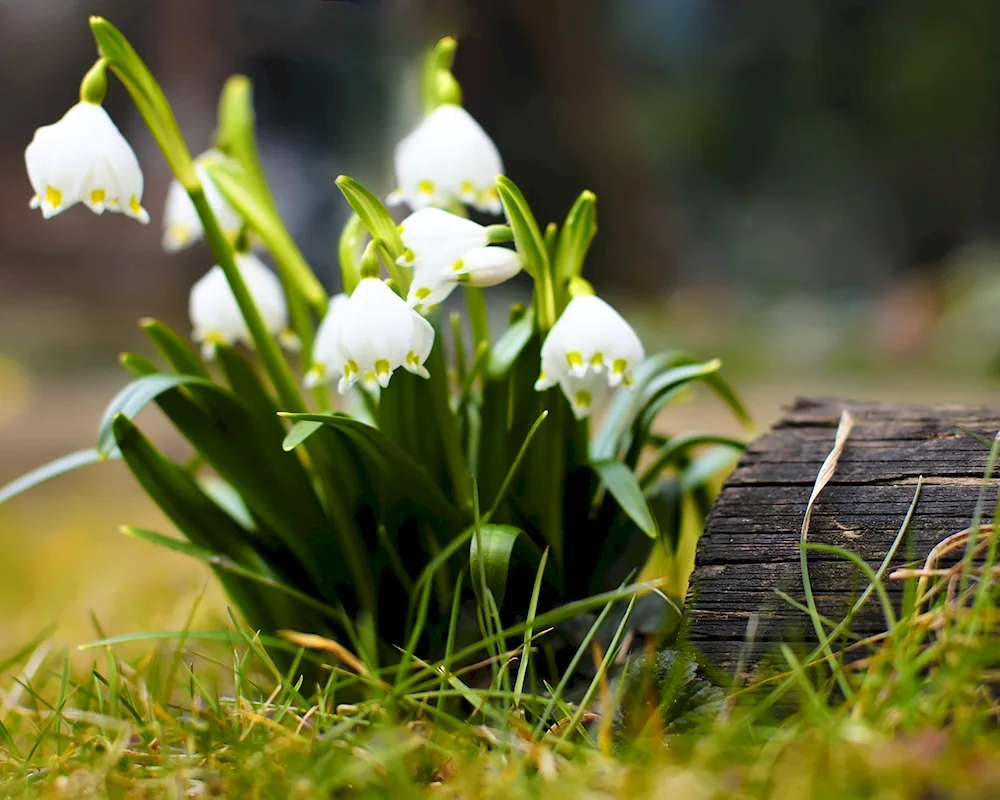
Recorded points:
(447, 161)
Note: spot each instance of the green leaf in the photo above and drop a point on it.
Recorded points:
(493, 558)
(228, 499)
(203, 522)
(575, 237)
(60, 466)
(299, 433)
(238, 187)
(375, 215)
(389, 462)
(147, 96)
(654, 378)
(624, 487)
(349, 250)
(174, 349)
(708, 465)
(135, 397)
(527, 236)
(677, 447)
(509, 346)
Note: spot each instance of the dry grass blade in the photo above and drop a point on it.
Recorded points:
(829, 467)
(311, 641)
(824, 476)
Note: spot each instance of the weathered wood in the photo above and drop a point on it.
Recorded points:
(750, 547)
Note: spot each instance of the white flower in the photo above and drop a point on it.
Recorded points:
(181, 223)
(448, 158)
(378, 332)
(589, 351)
(446, 250)
(325, 347)
(83, 158)
(215, 315)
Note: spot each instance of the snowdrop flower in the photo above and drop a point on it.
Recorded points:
(83, 158)
(448, 158)
(325, 346)
(589, 351)
(215, 315)
(181, 223)
(446, 250)
(377, 333)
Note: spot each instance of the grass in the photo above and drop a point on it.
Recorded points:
(905, 715)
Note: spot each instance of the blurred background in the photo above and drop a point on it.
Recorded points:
(809, 189)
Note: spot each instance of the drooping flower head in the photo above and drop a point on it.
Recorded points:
(446, 250)
(83, 158)
(448, 158)
(215, 314)
(181, 223)
(590, 350)
(377, 332)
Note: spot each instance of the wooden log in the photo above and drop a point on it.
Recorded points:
(750, 547)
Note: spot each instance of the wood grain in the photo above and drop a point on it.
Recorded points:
(750, 547)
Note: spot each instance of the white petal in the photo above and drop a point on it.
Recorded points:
(328, 358)
(378, 326)
(181, 223)
(591, 336)
(420, 346)
(215, 315)
(448, 157)
(585, 394)
(430, 287)
(487, 266)
(266, 290)
(435, 236)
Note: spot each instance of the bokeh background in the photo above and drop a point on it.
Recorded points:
(809, 189)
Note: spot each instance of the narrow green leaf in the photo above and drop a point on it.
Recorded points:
(135, 397)
(174, 349)
(389, 461)
(60, 466)
(299, 433)
(515, 464)
(575, 237)
(237, 186)
(527, 236)
(522, 669)
(375, 215)
(147, 96)
(349, 250)
(678, 446)
(624, 487)
(494, 558)
(509, 346)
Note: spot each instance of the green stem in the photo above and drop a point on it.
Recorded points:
(479, 319)
(267, 347)
(399, 278)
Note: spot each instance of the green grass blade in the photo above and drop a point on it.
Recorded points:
(522, 669)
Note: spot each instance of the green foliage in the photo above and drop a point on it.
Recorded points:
(364, 530)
